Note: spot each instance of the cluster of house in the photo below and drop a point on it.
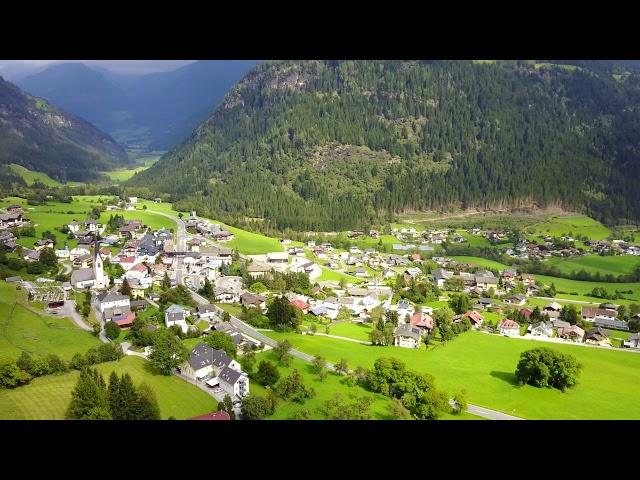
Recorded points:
(528, 250)
(212, 230)
(615, 246)
(420, 323)
(12, 217)
(436, 237)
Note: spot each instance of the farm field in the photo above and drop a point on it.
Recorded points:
(47, 398)
(573, 224)
(329, 275)
(32, 177)
(484, 364)
(613, 265)
(21, 329)
(357, 331)
(481, 262)
(584, 288)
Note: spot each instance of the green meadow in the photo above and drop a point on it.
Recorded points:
(357, 331)
(47, 398)
(142, 163)
(32, 177)
(558, 226)
(484, 364)
(23, 328)
(614, 265)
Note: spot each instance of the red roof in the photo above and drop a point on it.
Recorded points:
(526, 312)
(506, 323)
(139, 268)
(422, 320)
(221, 415)
(105, 251)
(126, 322)
(416, 256)
(300, 304)
(474, 316)
(126, 259)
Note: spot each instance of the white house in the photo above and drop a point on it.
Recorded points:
(176, 315)
(78, 252)
(541, 329)
(215, 367)
(407, 336)
(234, 382)
(278, 257)
(509, 328)
(113, 300)
(63, 254)
(206, 311)
(133, 200)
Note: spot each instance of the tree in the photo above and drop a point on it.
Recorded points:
(48, 258)
(168, 352)
(127, 399)
(113, 394)
(89, 398)
(569, 314)
(258, 287)
(543, 367)
(337, 408)
(443, 319)
(320, 366)
(376, 314)
(125, 289)
(399, 411)
(146, 406)
(227, 405)
(247, 362)
(391, 316)
(342, 367)
(10, 375)
(112, 330)
(226, 317)
(293, 388)
(207, 290)
(460, 303)
(302, 414)
(281, 314)
(281, 351)
(344, 314)
(623, 312)
(166, 282)
(267, 374)
(257, 408)
(460, 402)
(221, 341)
(25, 362)
(342, 283)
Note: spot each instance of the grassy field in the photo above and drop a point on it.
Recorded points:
(123, 174)
(153, 220)
(250, 243)
(357, 331)
(53, 215)
(32, 177)
(484, 364)
(558, 226)
(474, 240)
(47, 398)
(584, 288)
(614, 265)
(329, 275)
(234, 309)
(22, 329)
(481, 262)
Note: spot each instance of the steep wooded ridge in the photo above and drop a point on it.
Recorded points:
(320, 145)
(40, 137)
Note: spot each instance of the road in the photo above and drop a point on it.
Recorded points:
(581, 302)
(69, 310)
(251, 332)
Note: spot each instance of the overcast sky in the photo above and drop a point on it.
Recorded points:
(13, 69)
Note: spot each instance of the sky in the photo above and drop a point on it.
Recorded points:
(16, 69)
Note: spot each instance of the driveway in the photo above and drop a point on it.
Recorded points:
(69, 310)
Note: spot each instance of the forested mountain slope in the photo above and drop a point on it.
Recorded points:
(328, 145)
(40, 137)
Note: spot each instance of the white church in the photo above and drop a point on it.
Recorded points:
(93, 277)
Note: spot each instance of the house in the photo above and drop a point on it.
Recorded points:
(13, 279)
(221, 415)
(318, 311)
(208, 364)
(206, 311)
(278, 257)
(597, 336)
(541, 329)
(113, 300)
(440, 276)
(44, 243)
(483, 302)
(226, 295)
(11, 219)
(304, 306)
(517, 299)
(486, 282)
(552, 307)
(124, 319)
(608, 323)
(423, 321)
(360, 272)
(91, 225)
(257, 269)
(234, 382)
(474, 317)
(633, 341)
(591, 314)
(526, 313)
(250, 300)
(407, 336)
(138, 288)
(572, 333)
(137, 272)
(509, 328)
(93, 277)
(404, 308)
(78, 252)
(176, 315)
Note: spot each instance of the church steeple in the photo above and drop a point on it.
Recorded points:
(98, 266)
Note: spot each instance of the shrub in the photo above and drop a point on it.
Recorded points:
(112, 330)
(543, 367)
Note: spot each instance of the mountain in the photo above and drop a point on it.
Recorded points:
(150, 112)
(40, 137)
(324, 145)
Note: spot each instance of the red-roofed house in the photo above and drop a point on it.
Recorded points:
(105, 253)
(422, 320)
(304, 306)
(125, 322)
(474, 317)
(125, 261)
(509, 328)
(221, 415)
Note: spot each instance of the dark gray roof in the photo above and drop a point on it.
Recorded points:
(13, 279)
(203, 355)
(82, 275)
(111, 297)
(209, 307)
(251, 298)
(230, 375)
(408, 331)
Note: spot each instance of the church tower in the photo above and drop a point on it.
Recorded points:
(98, 266)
